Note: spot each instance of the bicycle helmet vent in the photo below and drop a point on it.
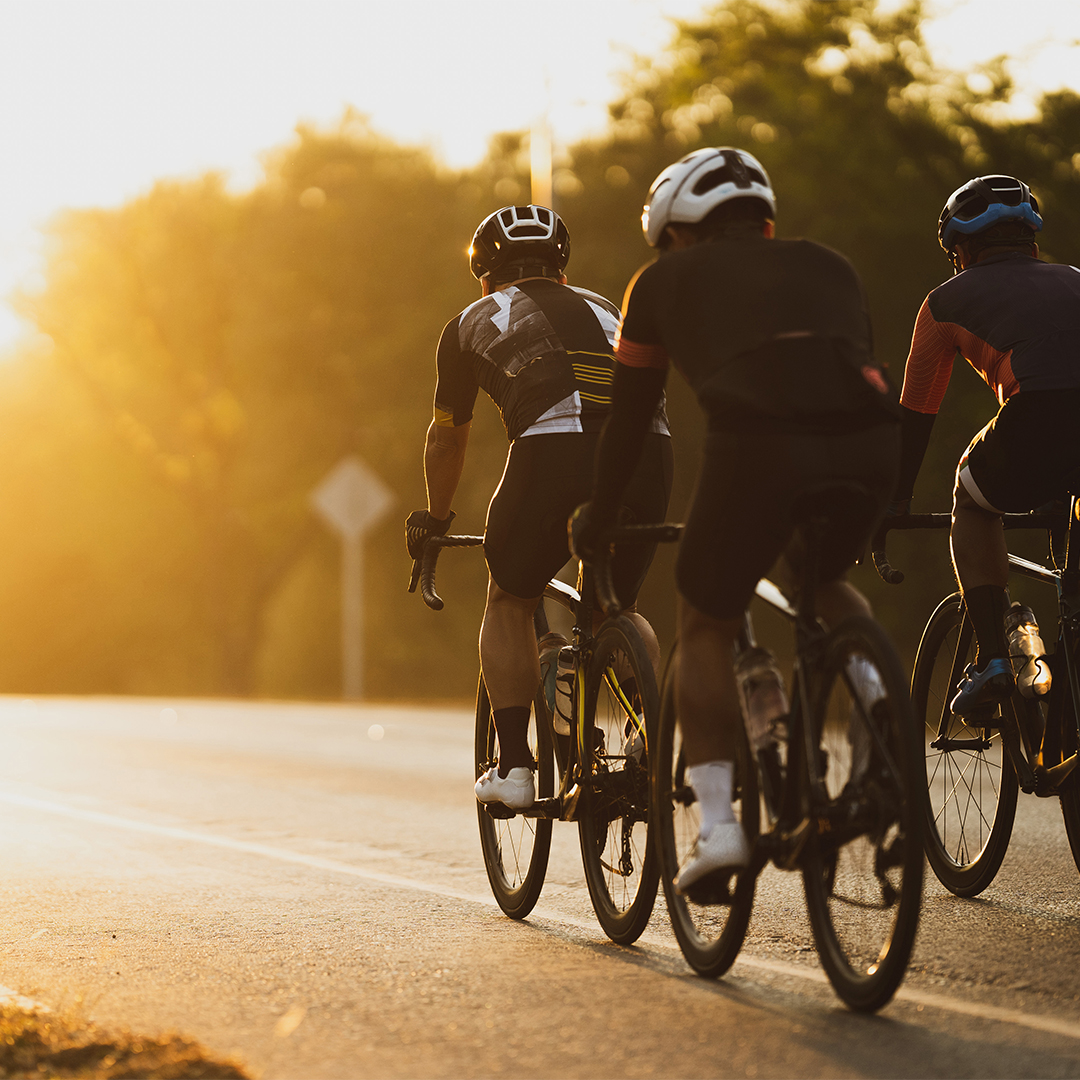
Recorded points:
(519, 236)
(983, 202)
(688, 190)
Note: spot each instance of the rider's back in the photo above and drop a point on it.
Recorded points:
(765, 331)
(1025, 310)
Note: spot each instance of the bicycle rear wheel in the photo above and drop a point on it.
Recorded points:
(709, 934)
(972, 787)
(863, 868)
(515, 847)
(620, 716)
(1070, 797)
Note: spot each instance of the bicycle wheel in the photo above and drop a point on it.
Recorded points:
(1070, 797)
(971, 787)
(515, 847)
(620, 715)
(863, 867)
(1070, 811)
(709, 934)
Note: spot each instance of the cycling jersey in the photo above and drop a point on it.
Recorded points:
(765, 331)
(774, 337)
(1015, 319)
(542, 351)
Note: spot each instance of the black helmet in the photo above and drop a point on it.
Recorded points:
(984, 202)
(519, 238)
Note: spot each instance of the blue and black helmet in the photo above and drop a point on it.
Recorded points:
(983, 202)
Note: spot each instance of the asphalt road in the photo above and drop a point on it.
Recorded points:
(281, 884)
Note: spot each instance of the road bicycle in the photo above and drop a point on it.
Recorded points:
(976, 765)
(835, 797)
(598, 756)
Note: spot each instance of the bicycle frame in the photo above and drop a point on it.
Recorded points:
(563, 806)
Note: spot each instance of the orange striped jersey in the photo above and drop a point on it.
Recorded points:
(1015, 319)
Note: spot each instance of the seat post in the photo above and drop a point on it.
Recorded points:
(813, 530)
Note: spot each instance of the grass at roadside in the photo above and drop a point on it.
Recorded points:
(44, 1044)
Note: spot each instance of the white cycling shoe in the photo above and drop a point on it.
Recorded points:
(725, 848)
(516, 790)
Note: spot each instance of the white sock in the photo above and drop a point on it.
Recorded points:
(712, 783)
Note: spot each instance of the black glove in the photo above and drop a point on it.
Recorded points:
(587, 530)
(420, 525)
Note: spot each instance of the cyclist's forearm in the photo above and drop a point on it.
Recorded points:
(444, 458)
(915, 437)
(636, 394)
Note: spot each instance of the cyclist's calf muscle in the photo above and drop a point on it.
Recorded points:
(706, 696)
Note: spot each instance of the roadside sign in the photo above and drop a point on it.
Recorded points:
(351, 499)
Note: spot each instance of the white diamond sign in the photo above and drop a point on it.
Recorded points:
(351, 498)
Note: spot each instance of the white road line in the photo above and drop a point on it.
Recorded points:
(995, 1013)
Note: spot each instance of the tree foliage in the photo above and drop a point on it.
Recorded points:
(213, 355)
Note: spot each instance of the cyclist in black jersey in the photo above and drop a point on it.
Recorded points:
(1017, 322)
(543, 352)
(774, 338)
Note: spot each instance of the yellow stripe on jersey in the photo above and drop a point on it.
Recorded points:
(597, 399)
(589, 373)
(588, 352)
(443, 417)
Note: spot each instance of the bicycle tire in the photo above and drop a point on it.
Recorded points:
(621, 868)
(515, 848)
(970, 801)
(1070, 812)
(863, 865)
(709, 935)
(1070, 795)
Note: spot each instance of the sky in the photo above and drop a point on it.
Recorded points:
(100, 98)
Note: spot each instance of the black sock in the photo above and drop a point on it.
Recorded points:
(986, 610)
(512, 726)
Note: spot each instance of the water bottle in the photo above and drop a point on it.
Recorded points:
(761, 694)
(564, 687)
(1026, 651)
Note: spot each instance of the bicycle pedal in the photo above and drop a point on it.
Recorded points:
(499, 810)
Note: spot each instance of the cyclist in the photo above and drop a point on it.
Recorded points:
(774, 338)
(1017, 322)
(543, 351)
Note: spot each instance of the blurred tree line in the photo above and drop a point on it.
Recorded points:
(205, 358)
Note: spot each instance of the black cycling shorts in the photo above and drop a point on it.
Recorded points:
(750, 490)
(546, 478)
(1027, 455)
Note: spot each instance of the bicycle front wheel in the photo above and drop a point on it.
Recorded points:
(970, 782)
(863, 866)
(620, 718)
(709, 934)
(515, 847)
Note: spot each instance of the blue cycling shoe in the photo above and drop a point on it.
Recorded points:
(981, 688)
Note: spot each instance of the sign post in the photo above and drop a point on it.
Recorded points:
(351, 499)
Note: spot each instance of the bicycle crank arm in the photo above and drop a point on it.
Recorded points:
(1048, 781)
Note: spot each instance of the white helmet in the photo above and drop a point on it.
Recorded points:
(686, 191)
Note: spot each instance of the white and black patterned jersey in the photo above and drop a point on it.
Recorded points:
(542, 351)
